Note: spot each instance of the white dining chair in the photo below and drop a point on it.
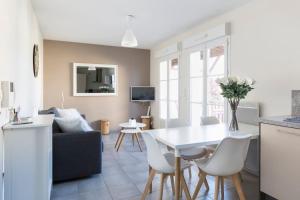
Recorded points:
(227, 161)
(200, 152)
(209, 120)
(163, 164)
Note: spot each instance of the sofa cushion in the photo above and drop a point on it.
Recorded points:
(68, 113)
(73, 125)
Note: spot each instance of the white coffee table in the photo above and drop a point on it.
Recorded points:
(130, 126)
(133, 130)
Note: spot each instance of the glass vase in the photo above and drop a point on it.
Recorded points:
(234, 126)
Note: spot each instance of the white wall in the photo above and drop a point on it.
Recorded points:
(19, 30)
(265, 38)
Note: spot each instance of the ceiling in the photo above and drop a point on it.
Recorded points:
(104, 21)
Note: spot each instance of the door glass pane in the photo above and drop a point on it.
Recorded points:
(163, 66)
(173, 89)
(216, 110)
(196, 112)
(173, 70)
(215, 61)
(214, 92)
(173, 109)
(163, 109)
(163, 90)
(196, 89)
(196, 64)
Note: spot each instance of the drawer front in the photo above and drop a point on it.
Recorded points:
(280, 162)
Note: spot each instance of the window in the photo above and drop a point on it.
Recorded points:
(169, 75)
(206, 65)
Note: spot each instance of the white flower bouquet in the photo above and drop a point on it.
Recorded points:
(234, 89)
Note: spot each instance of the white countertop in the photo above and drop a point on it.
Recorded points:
(279, 121)
(39, 121)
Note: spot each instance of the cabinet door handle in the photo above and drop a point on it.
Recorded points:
(288, 132)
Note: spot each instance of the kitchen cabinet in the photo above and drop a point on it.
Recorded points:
(280, 161)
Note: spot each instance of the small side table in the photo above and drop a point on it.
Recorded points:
(131, 130)
(134, 133)
(104, 127)
(147, 120)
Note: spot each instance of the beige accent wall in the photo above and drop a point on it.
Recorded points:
(133, 70)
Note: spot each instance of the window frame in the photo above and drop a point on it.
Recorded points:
(203, 47)
(169, 58)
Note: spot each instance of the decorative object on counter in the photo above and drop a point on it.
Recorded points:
(132, 122)
(35, 60)
(16, 112)
(234, 89)
(295, 102)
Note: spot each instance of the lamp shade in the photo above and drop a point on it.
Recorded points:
(129, 39)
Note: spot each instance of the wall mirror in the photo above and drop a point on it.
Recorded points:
(95, 79)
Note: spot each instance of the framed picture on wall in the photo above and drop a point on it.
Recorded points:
(35, 60)
(95, 79)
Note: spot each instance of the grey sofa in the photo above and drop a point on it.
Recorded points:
(75, 155)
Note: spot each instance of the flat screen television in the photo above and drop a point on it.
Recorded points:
(142, 93)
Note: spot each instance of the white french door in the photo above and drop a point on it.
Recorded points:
(207, 62)
(168, 90)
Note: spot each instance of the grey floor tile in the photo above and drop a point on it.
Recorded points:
(90, 184)
(65, 189)
(98, 194)
(124, 191)
(67, 197)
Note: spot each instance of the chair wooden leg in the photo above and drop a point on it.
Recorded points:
(149, 182)
(190, 172)
(121, 140)
(222, 188)
(150, 187)
(138, 141)
(185, 188)
(202, 177)
(118, 139)
(206, 184)
(237, 183)
(161, 188)
(205, 180)
(172, 184)
(216, 188)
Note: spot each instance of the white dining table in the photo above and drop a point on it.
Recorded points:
(185, 137)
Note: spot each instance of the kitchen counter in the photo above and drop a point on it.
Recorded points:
(279, 121)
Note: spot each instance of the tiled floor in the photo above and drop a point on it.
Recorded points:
(124, 177)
